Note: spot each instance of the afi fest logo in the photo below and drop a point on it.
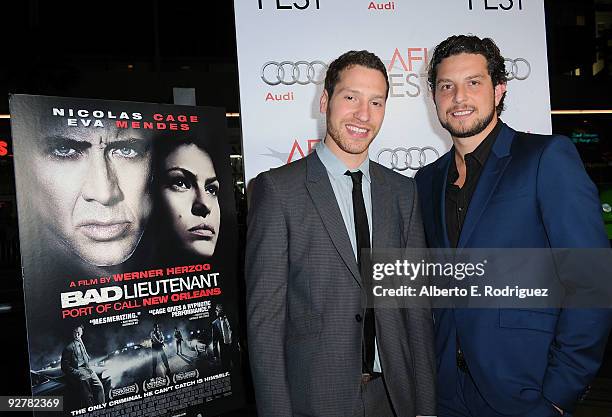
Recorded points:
(405, 70)
(503, 5)
(289, 5)
(299, 149)
(408, 71)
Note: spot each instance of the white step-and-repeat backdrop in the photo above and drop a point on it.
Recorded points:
(284, 47)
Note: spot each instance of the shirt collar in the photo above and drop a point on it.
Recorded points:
(480, 154)
(336, 167)
(482, 151)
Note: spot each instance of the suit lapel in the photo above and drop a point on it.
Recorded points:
(324, 200)
(491, 173)
(382, 228)
(439, 200)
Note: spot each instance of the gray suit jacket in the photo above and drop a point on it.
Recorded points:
(304, 297)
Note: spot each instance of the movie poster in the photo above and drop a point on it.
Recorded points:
(128, 240)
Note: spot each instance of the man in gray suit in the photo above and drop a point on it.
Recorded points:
(315, 349)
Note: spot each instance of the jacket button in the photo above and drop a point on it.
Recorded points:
(358, 318)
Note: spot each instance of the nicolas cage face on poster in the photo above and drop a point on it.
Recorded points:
(90, 187)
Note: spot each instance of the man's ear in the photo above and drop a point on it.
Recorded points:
(500, 89)
(323, 102)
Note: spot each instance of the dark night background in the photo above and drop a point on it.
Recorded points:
(139, 51)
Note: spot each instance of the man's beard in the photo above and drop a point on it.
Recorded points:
(479, 126)
(344, 143)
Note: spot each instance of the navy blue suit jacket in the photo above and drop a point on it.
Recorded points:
(533, 193)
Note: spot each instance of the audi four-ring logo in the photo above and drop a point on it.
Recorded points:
(518, 68)
(289, 73)
(413, 158)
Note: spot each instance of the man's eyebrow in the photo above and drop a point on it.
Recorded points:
(469, 77)
(130, 143)
(358, 93)
(68, 142)
(348, 90)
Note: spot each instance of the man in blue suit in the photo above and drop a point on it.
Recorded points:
(499, 188)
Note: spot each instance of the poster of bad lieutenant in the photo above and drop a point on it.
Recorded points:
(128, 239)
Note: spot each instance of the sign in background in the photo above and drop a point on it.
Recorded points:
(284, 47)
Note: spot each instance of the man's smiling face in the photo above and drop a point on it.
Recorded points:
(464, 95)
(355, 111)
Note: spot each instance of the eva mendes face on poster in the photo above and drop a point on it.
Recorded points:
(190, 198)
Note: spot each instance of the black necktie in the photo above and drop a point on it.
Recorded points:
(362, 231)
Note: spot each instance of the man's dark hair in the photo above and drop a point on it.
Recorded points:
(348, 60)
(469, 44)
